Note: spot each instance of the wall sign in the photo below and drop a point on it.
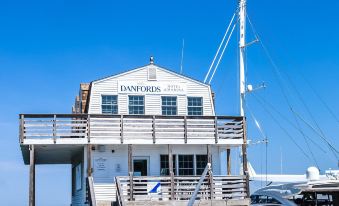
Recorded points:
(100, 167)
(151, 87)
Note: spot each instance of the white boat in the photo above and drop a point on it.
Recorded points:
(316, 190)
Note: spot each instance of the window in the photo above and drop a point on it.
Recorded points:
(201, 162)
(169, 105)
(164, 166)
(185, 164)
(194, 106)
(136, 105)
(152, 73)
(263, 199)
(109, 104)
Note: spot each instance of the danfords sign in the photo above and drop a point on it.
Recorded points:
(130, 87)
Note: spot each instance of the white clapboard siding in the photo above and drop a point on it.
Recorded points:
(109, 86)
(105, 192)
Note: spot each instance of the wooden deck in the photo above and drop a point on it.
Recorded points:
(218, 190)
(130, 129)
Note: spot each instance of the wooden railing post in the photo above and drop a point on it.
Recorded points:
(185, 129)
(89, 128)
(228, 155)
(22, 129)
(216, 129)
(54, 129)
(122, 129)
(153, 129)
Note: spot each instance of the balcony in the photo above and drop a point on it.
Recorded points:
(130, 129)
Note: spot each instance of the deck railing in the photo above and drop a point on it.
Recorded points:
(132, 129)
(159, 188)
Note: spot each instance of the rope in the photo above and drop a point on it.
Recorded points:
(284, 130)
(258, 98)
(222, 42)
(321, 99)
(279, 78)
(263, 135)
(222, 53)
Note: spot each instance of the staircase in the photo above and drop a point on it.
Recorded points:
(105, 193)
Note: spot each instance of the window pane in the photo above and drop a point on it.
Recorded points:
(136, 105)
(185, 164)
(169, 105)
(109, 104)
(201, 162)
(194, 106)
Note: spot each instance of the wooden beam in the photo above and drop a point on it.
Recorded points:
(130, 170)
(31, 175)
(244, 158)
(228, 154)
(170, 168)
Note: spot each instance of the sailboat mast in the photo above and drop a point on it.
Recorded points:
(242, 26)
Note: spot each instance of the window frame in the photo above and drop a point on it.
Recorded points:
(117, 104)
(184, 167)
(197, 167)
(166, 164)
(202, 106)
(170, 106)
(129, 105)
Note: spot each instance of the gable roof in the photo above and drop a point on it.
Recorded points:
(158, 67)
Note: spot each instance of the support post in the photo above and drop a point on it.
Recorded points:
(244, 157)
(170, 167)
(89, 160)
(228, 154)
(31, 175)
(130, 171)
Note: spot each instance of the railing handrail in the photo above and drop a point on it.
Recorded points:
(85, 115)
(189, 129)
(235, 187)
(121, 200)
(91, 194)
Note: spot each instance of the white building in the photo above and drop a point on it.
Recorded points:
(128, 131)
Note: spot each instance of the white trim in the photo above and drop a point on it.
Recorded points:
(147, 158)
(176, 103)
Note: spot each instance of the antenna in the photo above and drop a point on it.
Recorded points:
(182, 55)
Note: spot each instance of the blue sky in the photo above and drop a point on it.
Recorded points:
(48, 47)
